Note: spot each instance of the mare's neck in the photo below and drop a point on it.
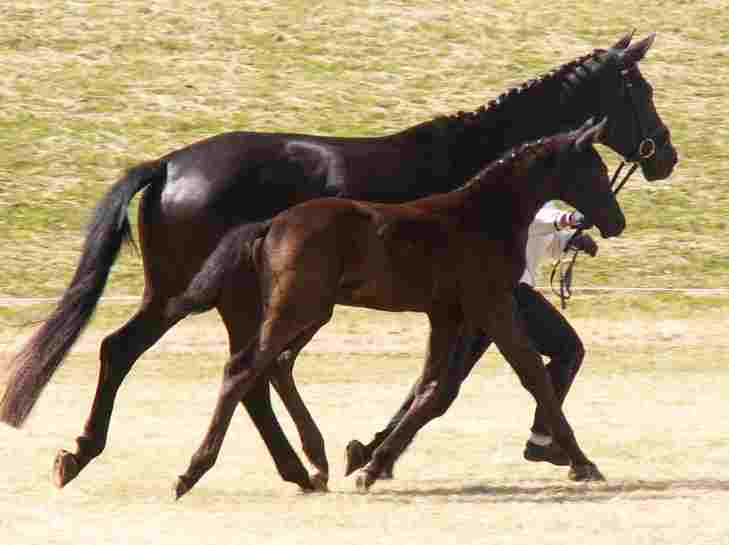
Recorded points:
(536, 109)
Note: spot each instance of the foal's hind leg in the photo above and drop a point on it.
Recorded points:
(288, 464)
(239, 379)
(242, 317)
(312, 440)
(118, 353)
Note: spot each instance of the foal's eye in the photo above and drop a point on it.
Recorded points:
(550, 161)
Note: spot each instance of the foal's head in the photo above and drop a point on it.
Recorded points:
(580, 178)
(565, 167)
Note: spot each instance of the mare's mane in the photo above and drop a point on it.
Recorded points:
(565, 78)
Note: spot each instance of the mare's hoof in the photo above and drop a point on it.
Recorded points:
(319, 482)
(585, 473)
(65, 468)
(365, 479)
(181, 487)
(356, 457)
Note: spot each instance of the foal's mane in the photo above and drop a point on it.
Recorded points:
(520, 157)
(568, 77)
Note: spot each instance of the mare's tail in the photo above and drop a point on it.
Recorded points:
(204, 289)
(44, 352)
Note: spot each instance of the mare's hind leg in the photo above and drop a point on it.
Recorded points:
(312, 440)
(118, 353)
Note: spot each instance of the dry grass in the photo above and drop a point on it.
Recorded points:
(88, 88)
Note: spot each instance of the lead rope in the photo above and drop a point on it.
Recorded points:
(565, 271)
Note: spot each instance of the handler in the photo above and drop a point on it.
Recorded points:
(550, 332)
(549, 234)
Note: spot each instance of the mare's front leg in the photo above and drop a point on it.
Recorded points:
(500, 319)
(436, 389)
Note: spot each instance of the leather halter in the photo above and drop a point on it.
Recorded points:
(645, 150)
(649, 142)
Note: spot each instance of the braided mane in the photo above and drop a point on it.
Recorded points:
(522, 156)
(570, 75)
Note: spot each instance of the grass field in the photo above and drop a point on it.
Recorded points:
(89, 88)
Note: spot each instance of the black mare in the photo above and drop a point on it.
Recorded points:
(194, 195)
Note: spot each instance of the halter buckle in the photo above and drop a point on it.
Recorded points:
(646, 149)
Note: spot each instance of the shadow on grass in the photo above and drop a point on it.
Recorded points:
(539, 492)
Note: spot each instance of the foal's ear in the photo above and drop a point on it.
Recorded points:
(624, 42)
(590, 133)
(637, 51)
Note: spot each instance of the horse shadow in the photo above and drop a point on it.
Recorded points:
(549, 491)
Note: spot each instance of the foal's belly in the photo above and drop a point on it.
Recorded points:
(382, 286)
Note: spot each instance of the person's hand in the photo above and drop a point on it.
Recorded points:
(577, 220)
(584, 242)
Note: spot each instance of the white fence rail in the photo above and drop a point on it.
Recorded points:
(19, 301)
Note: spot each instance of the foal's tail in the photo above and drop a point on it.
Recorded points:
(44, 352)
(204, 290)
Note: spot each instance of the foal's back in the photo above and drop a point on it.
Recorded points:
(339, 251)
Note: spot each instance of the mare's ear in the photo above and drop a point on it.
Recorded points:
(636, 52)
(624, 42)
(588, 135)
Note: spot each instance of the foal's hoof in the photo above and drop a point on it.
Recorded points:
(181, 487)
(65, 468)
(387, 474)
(356, 457)
(585, 473)
(319, 482)
(365, 479)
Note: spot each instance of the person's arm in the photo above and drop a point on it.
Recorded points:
(547, 221)
(550, 219)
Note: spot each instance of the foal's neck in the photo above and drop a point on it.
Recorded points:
(500, 202)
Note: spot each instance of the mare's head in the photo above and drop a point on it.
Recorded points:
(635, 130)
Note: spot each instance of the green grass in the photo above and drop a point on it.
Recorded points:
(90, 88)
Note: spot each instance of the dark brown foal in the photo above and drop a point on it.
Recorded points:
(456, 257)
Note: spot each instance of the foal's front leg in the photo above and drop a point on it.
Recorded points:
(517, 349)
(466, 352)
(312, 440)
(436, 389)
